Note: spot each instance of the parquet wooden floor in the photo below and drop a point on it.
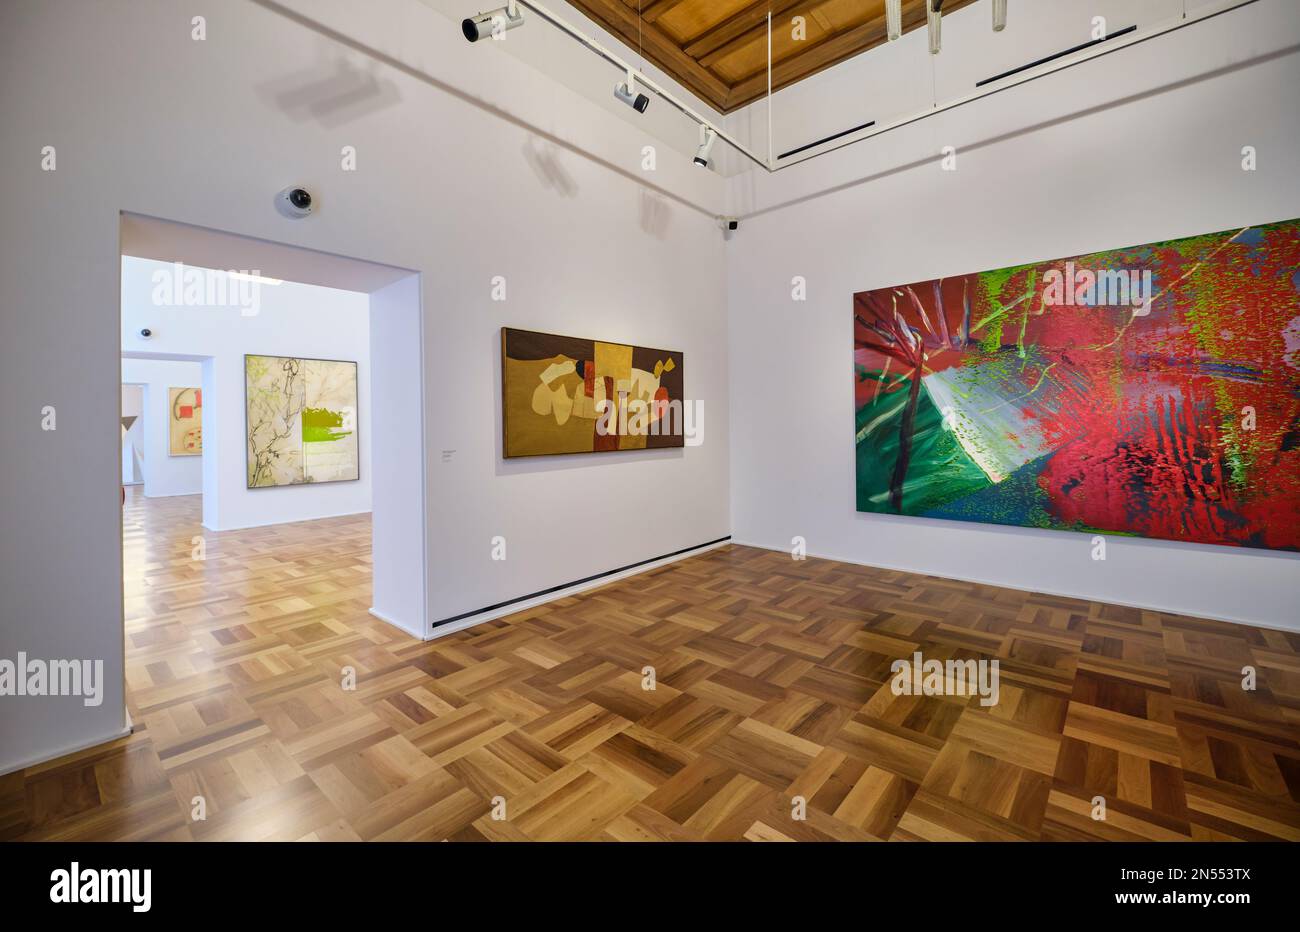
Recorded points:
(772, 683)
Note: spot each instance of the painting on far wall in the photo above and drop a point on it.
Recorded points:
(1151, 391)
(185, 421)
(301, 420)
(571, 395)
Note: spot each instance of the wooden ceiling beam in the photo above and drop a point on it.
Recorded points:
(758, 32)
(615, 16)
(798, 67)
(830, 52)
(651, 10)
(690, 62)
(738, 23)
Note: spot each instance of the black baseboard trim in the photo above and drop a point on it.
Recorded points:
(578, 582)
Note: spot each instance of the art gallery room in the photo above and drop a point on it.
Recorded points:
(652, 420)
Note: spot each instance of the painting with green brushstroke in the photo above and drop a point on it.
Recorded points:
(300, 420)
(321, 425)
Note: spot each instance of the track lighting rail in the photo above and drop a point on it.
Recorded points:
(709, 131)
(643, 80)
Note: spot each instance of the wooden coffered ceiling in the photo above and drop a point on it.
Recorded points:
(718, 48)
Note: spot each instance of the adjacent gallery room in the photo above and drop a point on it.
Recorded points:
(285, 370)
(674, 421)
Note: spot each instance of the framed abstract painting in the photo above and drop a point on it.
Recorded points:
(570, 395)
(1151, 391)
(184, 421)
(300, 420)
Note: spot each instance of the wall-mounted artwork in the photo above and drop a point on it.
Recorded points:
(185, 421)
(1152, 391)
(568, 395)
(301, 420)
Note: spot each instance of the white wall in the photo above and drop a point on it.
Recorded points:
(133, 444)
(164, 474)
(470, 165)
(1164, 162)
(291, 319)
(398, 555)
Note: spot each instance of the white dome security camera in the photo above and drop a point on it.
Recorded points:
(294, 202)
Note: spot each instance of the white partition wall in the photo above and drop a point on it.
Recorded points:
(133, 434)
(398, 556)
(164, 475)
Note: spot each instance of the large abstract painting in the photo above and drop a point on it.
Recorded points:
(185, 421)
(301, 420)
(566, 395)
(1150, 391)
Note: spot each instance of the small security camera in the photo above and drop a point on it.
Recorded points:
(729, 223)
(146, 332)
(294, 202)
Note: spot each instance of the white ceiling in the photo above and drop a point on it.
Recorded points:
(167, 241)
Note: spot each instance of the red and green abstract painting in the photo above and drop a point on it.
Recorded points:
(1151, 391)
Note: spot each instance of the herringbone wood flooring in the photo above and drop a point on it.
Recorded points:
(772, 683)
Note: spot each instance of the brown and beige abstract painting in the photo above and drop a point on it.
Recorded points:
(301, 420)
(185, 421)
(569, 395)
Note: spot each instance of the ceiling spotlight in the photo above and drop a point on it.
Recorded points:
(999, 15)
(492, 25)
(628, 93)
(707, 138)
(254, 277)
(893, 19)
(934, 22)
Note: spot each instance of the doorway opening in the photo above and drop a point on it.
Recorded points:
(275, 492)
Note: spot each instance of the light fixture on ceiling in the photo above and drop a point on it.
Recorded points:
(627, 92)
(999, 15)
(707, 138)
(255, 277)
(893, 19)
(492, 25)
(934, 23)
